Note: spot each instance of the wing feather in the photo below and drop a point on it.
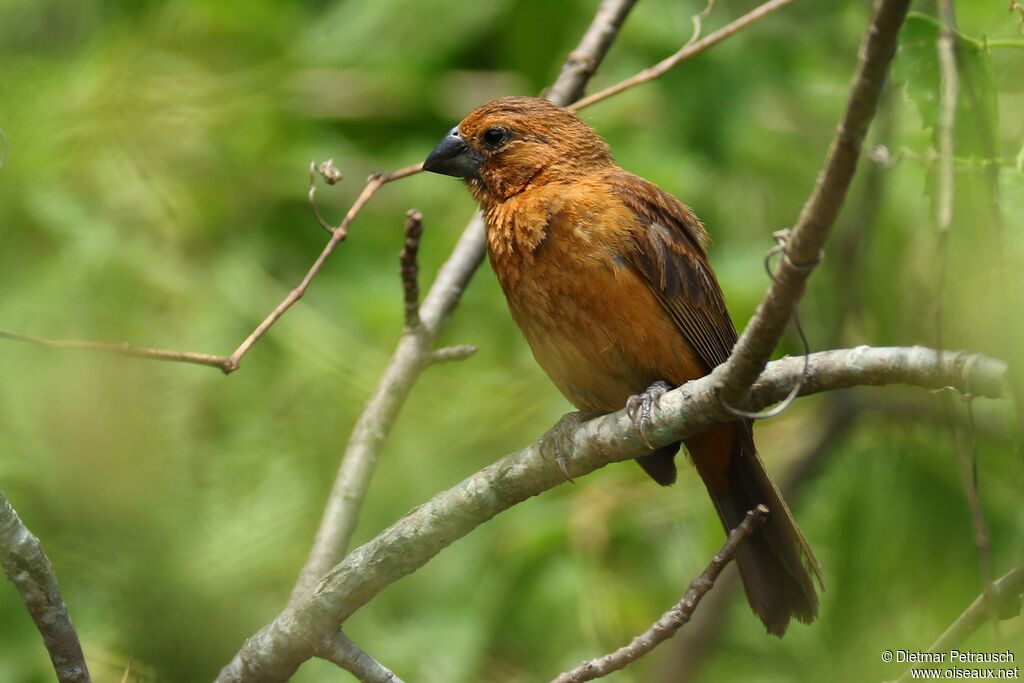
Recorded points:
(669, 253)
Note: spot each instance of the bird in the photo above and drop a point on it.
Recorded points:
(607, 277)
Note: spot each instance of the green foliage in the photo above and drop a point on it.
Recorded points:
(977, 112)
(154, 192)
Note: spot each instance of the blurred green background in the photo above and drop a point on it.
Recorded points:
(154, 192)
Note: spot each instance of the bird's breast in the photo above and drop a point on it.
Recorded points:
(593, 325)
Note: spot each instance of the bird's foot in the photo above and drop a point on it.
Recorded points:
(639, 406)
(557, 442)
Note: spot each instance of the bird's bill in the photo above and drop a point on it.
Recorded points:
(453, 157)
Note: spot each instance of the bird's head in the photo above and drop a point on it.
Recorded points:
(508, 143)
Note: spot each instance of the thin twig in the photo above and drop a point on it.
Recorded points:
(674, 619)
(222, 362)
(278, 649)
(698, 22)
(229, 364)
(340, 650)
(688, 51)
(1018, 7)
(452, 353)
(1000, 600)
(780, 248)
(698, 642)
(331, 175)
(374, 183)
(28, 568)
(410, 268)
(805, 241)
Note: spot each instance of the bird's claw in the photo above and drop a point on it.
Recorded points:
(559, 438)
(638, 407)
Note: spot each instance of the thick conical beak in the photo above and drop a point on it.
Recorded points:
(453, 157)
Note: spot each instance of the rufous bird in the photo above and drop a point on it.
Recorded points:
(607, 276)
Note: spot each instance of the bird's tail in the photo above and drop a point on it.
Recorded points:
(775, 562)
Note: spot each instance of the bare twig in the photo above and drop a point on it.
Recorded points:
(229, 364)
(805, 241)
(1000, 600)
(275, 652)
(694, 645)
(375, 182)
(28, 568)
(1018, 7)
(450, 353)
(414, 351)
(698, 22)
(674, 619)
(222, 362)
(331, 175)
(410, 268)
(346, 654)
(688, 51)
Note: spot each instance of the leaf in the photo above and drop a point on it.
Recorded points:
(917, 65)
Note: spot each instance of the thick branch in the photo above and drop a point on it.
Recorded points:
(274, 653)
(28, 568)
(582, 62)
(674, 619)
(805, 241)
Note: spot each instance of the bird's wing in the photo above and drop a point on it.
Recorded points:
(667, 250)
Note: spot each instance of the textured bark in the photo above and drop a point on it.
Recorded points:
(28, 568)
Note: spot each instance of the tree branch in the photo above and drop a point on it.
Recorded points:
(697, 643)
(691, 49)
(1001, 599)
(222, 362)
(340, 650)
(276, 651)
(28, 568)
(414, 351)
(410, 268)
(674, 619)
(582, 62)
(803, 245)
(229, 364)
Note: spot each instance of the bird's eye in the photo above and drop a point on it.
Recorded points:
(493, 137)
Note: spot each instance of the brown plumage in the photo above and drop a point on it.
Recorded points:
(607, 277)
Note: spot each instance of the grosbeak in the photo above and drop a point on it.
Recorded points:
(607, 277)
